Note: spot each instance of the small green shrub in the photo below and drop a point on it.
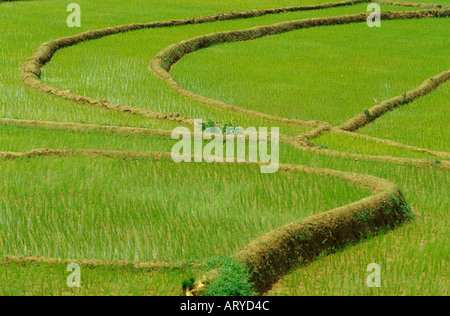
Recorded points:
(233, 278)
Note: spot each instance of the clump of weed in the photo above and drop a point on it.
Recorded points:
(231, 128)
(363, 217)
(188, 283)
(367, 113)
(390, 106)
(232, 278)
(225, 127)
(396, 203)
(209, 125)
(322, 145)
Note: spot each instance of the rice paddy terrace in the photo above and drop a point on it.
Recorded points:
(86, 173)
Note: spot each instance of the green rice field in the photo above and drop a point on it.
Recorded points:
(86, 184)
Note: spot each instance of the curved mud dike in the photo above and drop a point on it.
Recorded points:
(83, 127)
(438, 154)
(368, 116)
(162, 63)
(166, 59)
(308, 146)
(429, 85)
(297, 142)
(409, 4)
(305, 141)
(274, 254)
(31, 70)
(94, 263)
